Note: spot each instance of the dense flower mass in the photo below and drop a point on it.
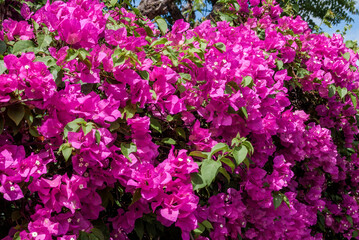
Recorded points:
(114, 127)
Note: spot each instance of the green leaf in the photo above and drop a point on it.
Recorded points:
(92, 236)
(71, 54)
(2, 47)
(226, 16)
(209, 170)
(162, 25)
(277, 200)
(285, 199)
(186, 76)
(58, 74)
(350, 219)
(327, 34)
(342, 92)
(279, 64)
(243, 110)
(33, 131)
(331, 90)
(355, 234)
(346, 56)
(66, 152)
(87, 128)
(16, 236)
(354, 100)
(113, 3)
(129, 110)
(83, 54)
(207, 224)
(154, 95)
(249, 146)
(136, 196)
(321, 221)
(43, 41)
(302, 72)
(199, 230)
(220, 46)
(48, 60)
(16, 113)
(170, 141)
(228, 162)
(145, 75)
(159, 41)
(83, 236)
(2, 124)
(247, 81)
(228, 90)
(225, 174)
(156, 125)
(247, 163)
(169, 118)
(98, 137)
(326, 22)
(172, 54)
(79, 121)
(197, 181)
(127, 149)
(72, 127)
(349, 44)
(239, 154)
(114, 126)
(2, 67)
(218, 147)
(149, 33)
(23, 46)
(180, 132)
(98, 233)
(198, 154)
(295, 8)
(139, 228)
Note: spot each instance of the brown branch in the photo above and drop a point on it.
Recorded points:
(217, 7)
(154, 8)
(19, 101)
(174, 11)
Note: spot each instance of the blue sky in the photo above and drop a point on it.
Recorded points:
(352, 34)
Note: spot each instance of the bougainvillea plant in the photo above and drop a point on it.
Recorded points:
(115, 127)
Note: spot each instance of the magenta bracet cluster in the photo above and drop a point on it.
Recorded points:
(112, 125)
